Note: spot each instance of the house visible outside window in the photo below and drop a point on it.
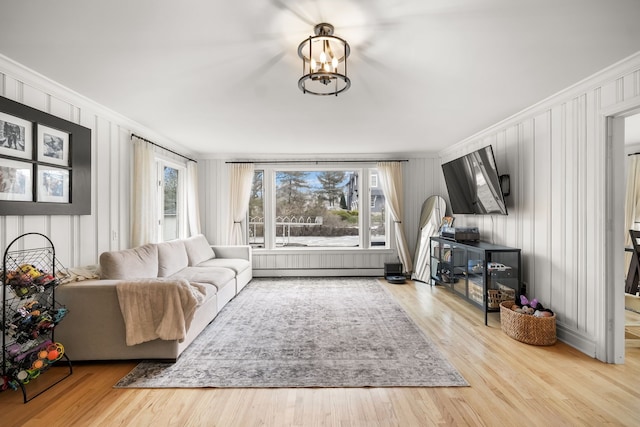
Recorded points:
(172, 200)
(314, 208)
(378, 219)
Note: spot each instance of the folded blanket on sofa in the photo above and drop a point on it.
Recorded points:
(158, 308)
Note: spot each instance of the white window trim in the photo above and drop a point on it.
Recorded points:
(364, 185)
(181, 197)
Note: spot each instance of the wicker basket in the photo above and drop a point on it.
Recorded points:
(497, 296)
(527, 328)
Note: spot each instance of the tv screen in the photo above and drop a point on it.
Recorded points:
(473, 184)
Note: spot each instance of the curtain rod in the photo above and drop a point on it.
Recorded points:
(164, 148)
(278, 162)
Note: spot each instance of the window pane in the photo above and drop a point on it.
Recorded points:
(256, 211)
(170, 226)
(377, 212)
(312, 209)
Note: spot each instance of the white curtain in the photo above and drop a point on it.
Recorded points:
(391, 180)
(193, 206)
(144, 224)
(241, 180)
(632, 203)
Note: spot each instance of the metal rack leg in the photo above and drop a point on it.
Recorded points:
(24, 389)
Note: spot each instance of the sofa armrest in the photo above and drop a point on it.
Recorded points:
(90, 299)
(232, 251)
(94, 320)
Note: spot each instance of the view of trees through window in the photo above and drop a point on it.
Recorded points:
(256, 210)
(314, 209)
(170, 226)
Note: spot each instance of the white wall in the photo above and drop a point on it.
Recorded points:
(79, 240)
(556, 153)
(632, 130)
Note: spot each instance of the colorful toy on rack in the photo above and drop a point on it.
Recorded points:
(27, 280)
(32, 319)
(30, 312)
(29, 365)
(8, 383)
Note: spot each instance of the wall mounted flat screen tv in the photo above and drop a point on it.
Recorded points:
(473, 184)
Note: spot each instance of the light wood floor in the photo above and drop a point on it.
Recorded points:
(512, 384)
(632, 328)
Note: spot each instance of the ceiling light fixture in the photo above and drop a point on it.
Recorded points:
(324, 62)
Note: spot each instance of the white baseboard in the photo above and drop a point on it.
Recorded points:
(346, 272)
(576, 340)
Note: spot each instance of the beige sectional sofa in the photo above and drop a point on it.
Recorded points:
(95, 328)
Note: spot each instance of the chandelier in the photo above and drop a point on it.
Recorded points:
(324, 62)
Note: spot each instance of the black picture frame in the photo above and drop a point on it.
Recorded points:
(78, 166)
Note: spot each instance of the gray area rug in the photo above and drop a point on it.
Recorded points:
(305, 332)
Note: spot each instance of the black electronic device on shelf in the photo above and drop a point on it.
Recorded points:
(461, 234)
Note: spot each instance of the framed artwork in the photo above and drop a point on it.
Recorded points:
(53, 146)
(447, 221)
(15, 136)
(53, 185)
(15, 180)
(45, 163)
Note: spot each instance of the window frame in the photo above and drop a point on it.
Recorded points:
(181, 196)
(364, 217)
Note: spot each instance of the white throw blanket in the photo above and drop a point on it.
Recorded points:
(158, 308)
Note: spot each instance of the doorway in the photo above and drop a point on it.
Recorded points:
(632, 163)
(612, 330)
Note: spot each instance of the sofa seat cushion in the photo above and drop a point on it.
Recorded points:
(210, 291)
(219, 277)
(198, 249)
(172, 257)
(236, 264)
(136, 263)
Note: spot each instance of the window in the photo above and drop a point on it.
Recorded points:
(172, 200)
(378, 218)
(256, 210)
(315, 208)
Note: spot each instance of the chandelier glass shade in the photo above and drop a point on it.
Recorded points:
(324, 62)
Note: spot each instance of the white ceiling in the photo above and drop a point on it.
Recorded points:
(220, 77)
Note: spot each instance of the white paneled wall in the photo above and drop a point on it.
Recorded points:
(422, 179)
(556, 154)
(79, 239)
(214, 200)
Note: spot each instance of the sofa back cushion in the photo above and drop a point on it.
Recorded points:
(172, 257)
(198, 249)
(136, 263)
